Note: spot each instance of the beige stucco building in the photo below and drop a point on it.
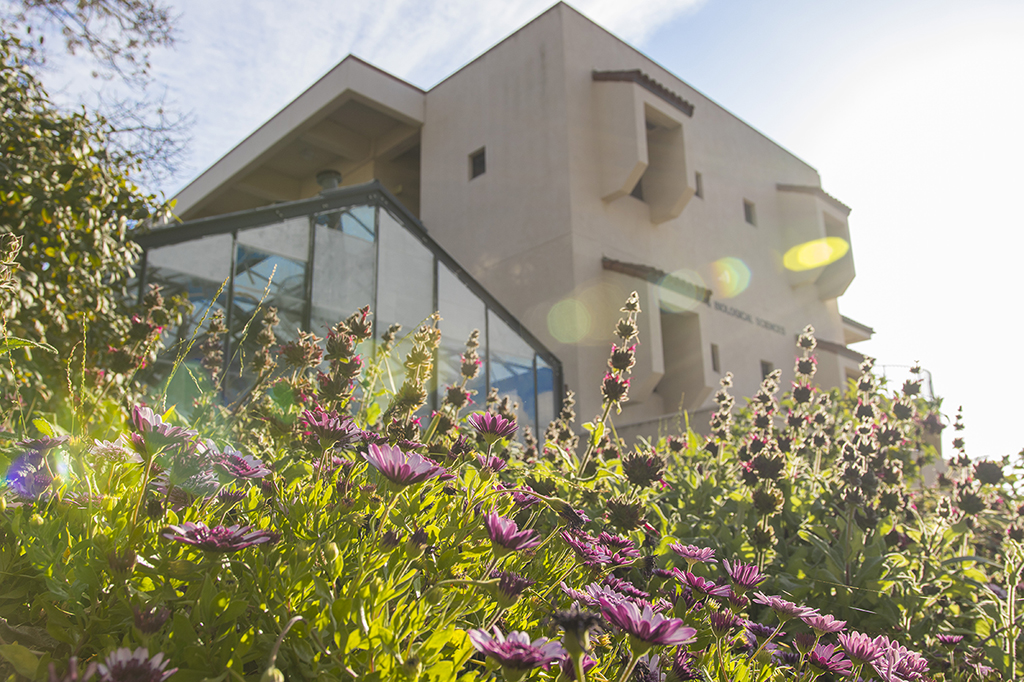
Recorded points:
(563, 169)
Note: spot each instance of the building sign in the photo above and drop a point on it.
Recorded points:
(747, 317)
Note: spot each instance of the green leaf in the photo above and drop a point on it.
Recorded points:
(23, 660)
(10, 343)
(44, 427)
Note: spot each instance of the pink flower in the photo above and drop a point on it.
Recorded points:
(645, 628)
(516, 653)
(492, 426)
(506, 536)
(399, 467)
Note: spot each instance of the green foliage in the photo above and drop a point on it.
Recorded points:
(73, 206)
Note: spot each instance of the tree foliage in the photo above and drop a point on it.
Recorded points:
(74, 206)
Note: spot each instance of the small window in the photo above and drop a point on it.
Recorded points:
(698, 186)
(477, 163)
(766, 369)
(716, 364)
(748, 212)
(638, 190)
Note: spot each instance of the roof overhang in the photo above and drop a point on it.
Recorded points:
(354, 115)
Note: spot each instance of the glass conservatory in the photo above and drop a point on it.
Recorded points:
(317, 260)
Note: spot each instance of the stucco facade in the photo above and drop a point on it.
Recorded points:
(569, 120)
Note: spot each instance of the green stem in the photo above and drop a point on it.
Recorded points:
(629, 668)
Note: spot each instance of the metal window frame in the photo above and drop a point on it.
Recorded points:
(371, 193)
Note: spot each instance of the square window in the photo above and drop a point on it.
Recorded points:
(477, 163)
(748, 212)
(766, 369)
(716, 364)
(698, 186)
(638, 190)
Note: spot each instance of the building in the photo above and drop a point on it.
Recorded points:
(563, 169)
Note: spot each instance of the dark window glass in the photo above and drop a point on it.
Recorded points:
(477, 163)
(344, 265)
(461, 312)
(511, 368)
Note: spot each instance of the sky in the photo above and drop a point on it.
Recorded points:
(908, 109)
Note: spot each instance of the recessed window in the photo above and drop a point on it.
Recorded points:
(638, 190)
(716, 364)
(477, 163)
(748, 212)
(698, 185)
(766, 369)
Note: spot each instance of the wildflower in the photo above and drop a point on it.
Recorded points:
(506, 536)
(768, 500)
(723, 622)
(645, 628)
(701, 586)
(693, 554)
(516, 653)
(804, 641)
(574, 518)
(615, 389)
(760, 632)
(329, 428)
(860, 648)
(577, 626)
(950, 640)
(625, 515)
(988, 472)
(626, 589)
(643, 469)
(785, 610)
(510, 586)
(622, 358)
(238, 466)
(684, 667)
(114, 451)
(44, 444)
(148, 621)
(744, 576)
(492, 427)
(154, 433)
(824, 624)
(825, 659)
(221, 539)
(302, 353)
(568, 670)
(490, 465)
(125, 665)
(399, 467)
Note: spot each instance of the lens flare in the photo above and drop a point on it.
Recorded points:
(569, 320)
(679, 291)
(816, 253)
(729, 277)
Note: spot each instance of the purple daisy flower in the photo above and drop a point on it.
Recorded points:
(625, 588)
(897, 663)
(824, 624)
(125, 665)
(693, 554)
(950, 640)
(221, 539)
(399, 467)
(723, 622)
(860, 648)
(785, 610)
(590, 553)
(645, 628)
(759, 631)
(329, 428)
(516, 653)
(743, 576)
(153, 434)
(492, 427)
(506, 536)
(824, 658)
(44, 444)
(239, 466)
(490, 465)
(510, 587)
(618, 544)
(701, 586)
(568, 669)
(114, 451)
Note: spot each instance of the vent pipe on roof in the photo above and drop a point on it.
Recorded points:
(328, 179)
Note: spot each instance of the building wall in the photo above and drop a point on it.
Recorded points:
(535, 226)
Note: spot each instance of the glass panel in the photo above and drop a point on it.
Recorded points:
(405, 289)
(200, 269)
(461, 312)
(270, 266)
(511, 368)
(545, 394)
(344, 271)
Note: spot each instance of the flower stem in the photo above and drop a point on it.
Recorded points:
(629, 668)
